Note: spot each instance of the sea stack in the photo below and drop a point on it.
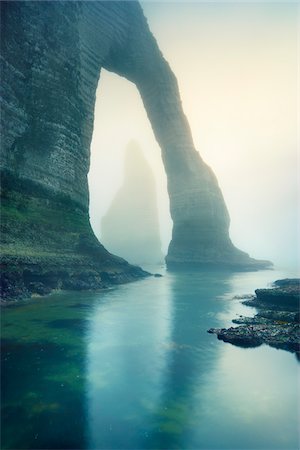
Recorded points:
(130, 228)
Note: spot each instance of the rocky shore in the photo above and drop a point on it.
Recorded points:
(47, 244)
(276, 322)
(35, 277)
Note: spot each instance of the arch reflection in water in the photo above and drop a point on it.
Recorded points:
(144, 355)
(196, 301)
(126, 362)
(158, 380)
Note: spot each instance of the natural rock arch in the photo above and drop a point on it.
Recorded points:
(52, 55)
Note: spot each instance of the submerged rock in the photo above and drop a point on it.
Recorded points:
(275, 324)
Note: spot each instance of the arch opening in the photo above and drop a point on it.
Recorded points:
(120, 121)
(46, 151)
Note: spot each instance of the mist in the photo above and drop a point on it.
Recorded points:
(181, 333)
(130, 228)
(236, 66)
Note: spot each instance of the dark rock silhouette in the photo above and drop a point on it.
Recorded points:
(275, 324)
(130, 228)
(52, 55)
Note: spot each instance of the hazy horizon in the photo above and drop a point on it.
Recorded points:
(237, 71)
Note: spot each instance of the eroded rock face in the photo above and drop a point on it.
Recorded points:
(130, 227)
(52, 55)
(50, 66)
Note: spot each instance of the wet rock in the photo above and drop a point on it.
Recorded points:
(244, 297)
(240, 336)
(284, 292)
(287, 283)
(271, 316)
(284, 336)
(281, 316)
(39, 288)
(275, 324)
(251, 320)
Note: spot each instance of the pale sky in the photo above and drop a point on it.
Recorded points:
(237, 69)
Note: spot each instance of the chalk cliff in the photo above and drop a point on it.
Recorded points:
(50, 66)
(130, 227)
(51, 58)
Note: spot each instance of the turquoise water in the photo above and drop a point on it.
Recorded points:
(133, 367)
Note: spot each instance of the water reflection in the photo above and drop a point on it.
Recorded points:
(250, 401)
(126, 363)
(157, 379)
(196, 299)
(144, 356)
(134, 368)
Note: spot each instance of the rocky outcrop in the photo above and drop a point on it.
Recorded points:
(130, 227)
(285, 294)
(51, 57)
(277, 321)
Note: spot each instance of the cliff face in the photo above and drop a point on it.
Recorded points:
(130, 227)
(51, 63)
(51, 58)
(50, 66)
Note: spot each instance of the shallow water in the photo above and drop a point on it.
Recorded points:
(133, 367)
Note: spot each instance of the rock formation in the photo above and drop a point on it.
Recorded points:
(51, 57)
(130, 227)
(277, 321)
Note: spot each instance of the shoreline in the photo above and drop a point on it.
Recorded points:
(276, 322)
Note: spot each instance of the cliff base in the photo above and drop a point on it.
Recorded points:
(47, 243)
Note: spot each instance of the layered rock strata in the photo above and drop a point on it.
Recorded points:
(134, 207)
(50, 66)
(51, 57)
(275, 324)
(47, 243)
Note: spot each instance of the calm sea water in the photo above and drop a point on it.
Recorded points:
(134, 368)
